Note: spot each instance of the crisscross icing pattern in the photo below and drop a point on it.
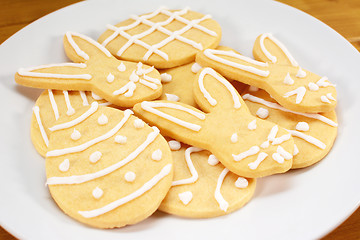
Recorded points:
(158, 26)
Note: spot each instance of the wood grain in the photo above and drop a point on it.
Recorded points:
(341, 15)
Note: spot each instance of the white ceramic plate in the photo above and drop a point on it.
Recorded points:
(301, 204)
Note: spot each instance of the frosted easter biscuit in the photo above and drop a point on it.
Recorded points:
(50, 105)
(277, 72)
(203, 187)
(107, 168)
(164, 38)
(314, 134)
(95, 69)
(246, 145)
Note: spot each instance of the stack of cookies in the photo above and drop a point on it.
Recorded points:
(155, 115)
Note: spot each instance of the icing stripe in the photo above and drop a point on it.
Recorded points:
(84, 99)
(211, 53)
(280, 45)
(148, 84)
(85, 115)
(308, 138)
(191, 167)
(281, 139)
(53, 104)
(226, 83)
(82, 147)
(261, 157)
(299, 92)
(70, 110)
(76, 179)
(281, 108)
(218, 196)
(252, 151)
(143, 189)
(149, 106)
(36, 111)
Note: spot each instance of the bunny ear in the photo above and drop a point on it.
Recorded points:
(80, 48)
(212, 91)
(269, 49)
(176, 120)
(60, 76)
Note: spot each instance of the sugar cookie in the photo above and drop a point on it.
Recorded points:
(164, 38)
(95, 69)
(97, 180)
(204, 188)
(277, 72)
(226, 116)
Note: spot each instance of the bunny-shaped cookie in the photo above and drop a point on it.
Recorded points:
(246, 145)
(95, 69)
(278, 73)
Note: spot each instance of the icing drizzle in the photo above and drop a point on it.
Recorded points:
(194, 173)
(218, 196)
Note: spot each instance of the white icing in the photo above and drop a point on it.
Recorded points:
(302, 126)
(85, 115)
(64, 165)
(241, 182)
(323, 82)
(84, 98)
(211, 53)
(278, 107)
(325, 99)
(121, 67)
(272, 135)
(138, 123)
(252, 151)
(150, 107)
(76, 179)
(301, 73)
(288, 80)
(296, 150)
(299, 92)
(102, 120)
(227, 84)
(148, 84)
(285, 154)
(252, 125)
(95, 156)
(110, 78)
(281, 139)
(265, 144)
(313, 86)
(185, 197)
(151, 79)
(120, 139)
(261, 157)
(212, 160)
(95, 96)
(53, 104)
(277, 157)
(174, 145)
(70, 110)
(234, 138)
(82, 147)
(308, 138)
(280, 45)
(262, 113)
(143, 189)
(194, 173)
(172, 97)
(156, 155)
(253, 89)
(218, 196)
(134, 77)
(75, 135)
(44, 136)
(97, 193)
(329, 96)
(130, 176)
(195, 68)
(165, 77)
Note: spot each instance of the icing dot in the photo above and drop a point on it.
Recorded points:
(252, 125)
(138, 123)
(130, 176)
(165, 77)
(262, 113)
(301, 73)
(234, 138)
(186, 197)
(172, 97)
(110, 78)
(302, 126)
(174, 145)
(120, 139)
(277, 157)
(156, 155)
(196, 67)
(97, 193)
(96, 97)
(121, 67)
(265, 144)
(134, 77)
(329, 96)
(212, 160)
(241, 182)
(325, 99)
(75, 135)
(64, 166)
(313, 86)
(296, 150)
(253, 89)
(102, 120)
(288, 80)
(95, 156)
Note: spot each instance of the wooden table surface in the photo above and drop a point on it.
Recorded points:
(341, 15)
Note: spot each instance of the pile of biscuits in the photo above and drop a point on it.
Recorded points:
(155, 115)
